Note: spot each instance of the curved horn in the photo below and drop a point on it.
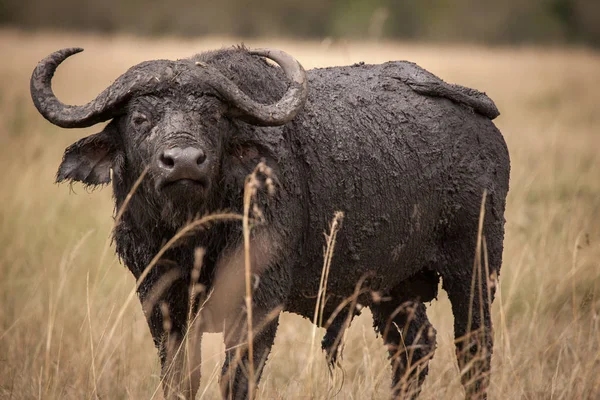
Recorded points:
(106, 106)
(275, 114)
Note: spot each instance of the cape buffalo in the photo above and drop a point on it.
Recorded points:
(415, 164)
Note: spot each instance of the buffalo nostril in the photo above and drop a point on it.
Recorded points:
(166, 161)
(201, 157)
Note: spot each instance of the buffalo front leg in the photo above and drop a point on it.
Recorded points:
(240, 373)
(178, 340)
(235, 298)
(246, 307)
(180, 365)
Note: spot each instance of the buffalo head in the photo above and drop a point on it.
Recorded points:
(169, 118)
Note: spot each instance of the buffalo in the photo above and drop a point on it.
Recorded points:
(416, 166)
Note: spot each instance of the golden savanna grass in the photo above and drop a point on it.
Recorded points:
(62, 288)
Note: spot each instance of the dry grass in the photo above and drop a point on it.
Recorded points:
(62, 287)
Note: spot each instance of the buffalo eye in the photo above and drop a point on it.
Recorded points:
(140, 121)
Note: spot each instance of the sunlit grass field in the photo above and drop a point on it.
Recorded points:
(61, 287)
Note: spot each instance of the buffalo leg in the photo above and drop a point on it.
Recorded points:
(411, 342)
(473, 336)
(332, 341)
(180, 362)
(235, 374)
(166, 307)
(471, 295)
(333, 338)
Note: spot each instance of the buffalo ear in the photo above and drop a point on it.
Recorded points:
(90, 159)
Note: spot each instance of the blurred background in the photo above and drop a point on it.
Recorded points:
(62, 289)
(475, 21)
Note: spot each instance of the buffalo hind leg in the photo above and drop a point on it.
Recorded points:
(473, 336)
(471, 292)
(411, 342)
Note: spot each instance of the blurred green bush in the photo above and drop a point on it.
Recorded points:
(479, 21)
